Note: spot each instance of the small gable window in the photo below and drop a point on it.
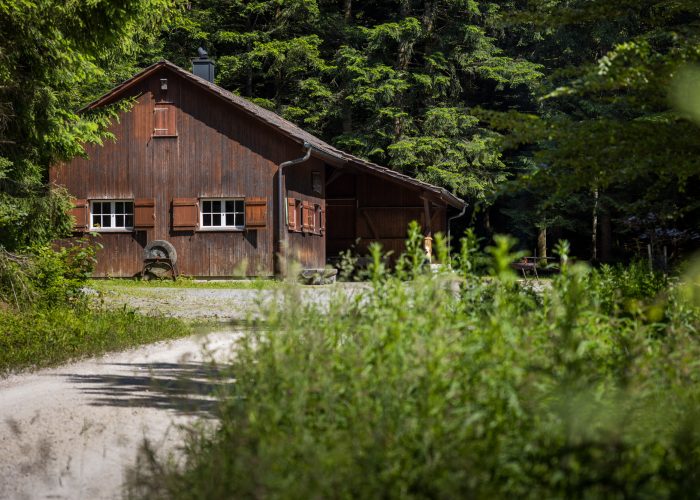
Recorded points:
(111, 215)
(164, 122)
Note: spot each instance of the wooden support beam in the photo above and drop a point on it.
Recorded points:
(428, 229)
(337, 173)
(372, 228)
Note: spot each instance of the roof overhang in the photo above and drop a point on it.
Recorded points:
(320, 149)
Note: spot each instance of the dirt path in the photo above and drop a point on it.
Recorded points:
(220, 304)
(69, 432)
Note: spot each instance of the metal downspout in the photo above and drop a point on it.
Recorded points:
(282, 205)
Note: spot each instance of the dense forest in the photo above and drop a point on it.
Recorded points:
(567, 118)
(573, 125)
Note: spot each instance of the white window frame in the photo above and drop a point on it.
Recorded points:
(223, 212)
(113, 217)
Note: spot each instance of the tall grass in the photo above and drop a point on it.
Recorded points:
(46, 318)
(39, 337)
(450, 386)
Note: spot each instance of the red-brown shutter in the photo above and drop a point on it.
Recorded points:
(144, 213)
(305, 209)
(79, 212)
(322, 222)
(311, 212)
(185, 214)
(255, 212)
(164, 120)
(292, 219)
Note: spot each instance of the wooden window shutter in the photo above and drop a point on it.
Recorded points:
(164, 120)
(185, 214)
(292, 219)
(305, 209)
(311, 214)
(79, 212)
(255, 212)
(144, 213)
(322, 222)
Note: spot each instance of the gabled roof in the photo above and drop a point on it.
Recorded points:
(319, 147)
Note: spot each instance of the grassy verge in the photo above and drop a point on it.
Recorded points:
(36, 338)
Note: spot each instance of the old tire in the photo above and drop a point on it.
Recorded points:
(160, 249)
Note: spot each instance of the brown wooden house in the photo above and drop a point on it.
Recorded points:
(199, 167)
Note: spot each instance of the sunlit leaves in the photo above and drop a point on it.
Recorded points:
(686, 92)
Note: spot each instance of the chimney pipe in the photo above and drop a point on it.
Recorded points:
(202, 66)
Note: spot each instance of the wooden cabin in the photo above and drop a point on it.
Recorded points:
(199, 167)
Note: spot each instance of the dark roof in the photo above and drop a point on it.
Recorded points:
(286, 127)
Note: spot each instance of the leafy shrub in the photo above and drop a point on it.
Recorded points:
(44, 276)
(626, 289)
(425, 390)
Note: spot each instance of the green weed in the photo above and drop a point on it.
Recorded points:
(449, 387)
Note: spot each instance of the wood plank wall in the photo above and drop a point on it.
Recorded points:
(218, 152)
(368, 208)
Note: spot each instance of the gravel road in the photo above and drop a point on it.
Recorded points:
(70, 432)
(219, 304)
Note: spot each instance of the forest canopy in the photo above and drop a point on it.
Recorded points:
(567, 116)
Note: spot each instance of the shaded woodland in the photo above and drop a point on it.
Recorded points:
(553, 119)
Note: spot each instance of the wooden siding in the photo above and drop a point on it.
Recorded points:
(306, 248)
(363, 208)
(218, 152)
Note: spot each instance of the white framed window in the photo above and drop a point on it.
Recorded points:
(111, 215)
(222, 213)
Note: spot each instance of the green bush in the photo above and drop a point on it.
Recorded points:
(454, 386)
(46, 277)
(46, 317)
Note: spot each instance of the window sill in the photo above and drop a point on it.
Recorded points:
(169, 136)
(220, 230)
(106, 230)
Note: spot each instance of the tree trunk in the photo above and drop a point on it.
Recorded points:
(605, 238)
(405, 51)
(594, 231)
(487, 221)
(347, 118)
(542, 244)
(347, 11)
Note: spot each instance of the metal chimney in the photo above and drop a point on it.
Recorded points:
(202, 66)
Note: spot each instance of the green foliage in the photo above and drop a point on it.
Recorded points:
(56, 55)
(414, 259)
(347, 265)
(46, 277)
(625, 289)
(605, 123)
(59, 276)
(466, 262)
(424, 390)
(388, 81)
(42, 337)
(502, 257)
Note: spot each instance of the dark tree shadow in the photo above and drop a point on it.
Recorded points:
(186, 388)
